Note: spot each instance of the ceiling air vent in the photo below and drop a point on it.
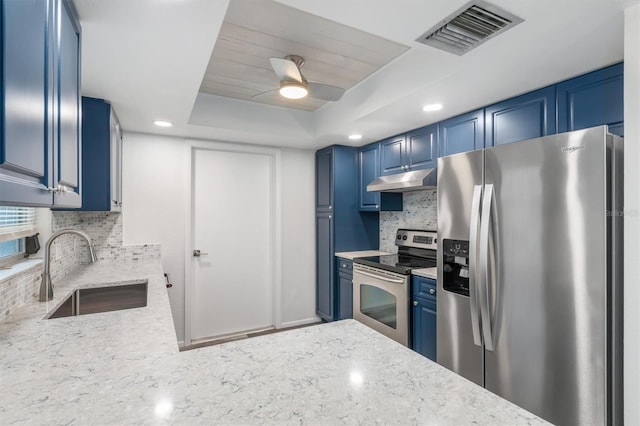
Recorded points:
(468, 27)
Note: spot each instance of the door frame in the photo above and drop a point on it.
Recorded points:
(276, 227)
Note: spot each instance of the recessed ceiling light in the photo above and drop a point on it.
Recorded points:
(355, 137)
(293, 90)
(162, 123)
(432, 107)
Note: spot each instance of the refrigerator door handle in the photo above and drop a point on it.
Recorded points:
(487, 203)
(473, 264)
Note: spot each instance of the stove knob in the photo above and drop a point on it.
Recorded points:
(399, 237)
(404, 237)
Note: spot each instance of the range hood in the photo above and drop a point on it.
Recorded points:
(404, 182)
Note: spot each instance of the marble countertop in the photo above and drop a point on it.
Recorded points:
(426, 273)
(124, 368)
(353, 254)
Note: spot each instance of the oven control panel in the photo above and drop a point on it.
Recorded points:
(416, 238)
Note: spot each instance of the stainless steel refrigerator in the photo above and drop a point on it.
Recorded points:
(530, 273)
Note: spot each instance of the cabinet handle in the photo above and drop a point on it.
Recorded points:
(432, 291)
(377, 206)
(329, 216)
(344, 265)
(415, 303)
(330, 207)
(60, 190)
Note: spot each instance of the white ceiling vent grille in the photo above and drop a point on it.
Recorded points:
(468, 27)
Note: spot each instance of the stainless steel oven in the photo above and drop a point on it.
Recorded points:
(381, 301)
(381, 284)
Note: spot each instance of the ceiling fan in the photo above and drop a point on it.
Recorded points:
(293, 85)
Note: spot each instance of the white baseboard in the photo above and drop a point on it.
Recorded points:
(300, 322)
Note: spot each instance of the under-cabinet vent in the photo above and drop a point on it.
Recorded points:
(468, 27)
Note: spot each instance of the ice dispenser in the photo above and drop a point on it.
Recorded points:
(455, 268)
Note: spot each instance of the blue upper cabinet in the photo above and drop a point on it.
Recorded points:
(524, 117)
(40, 92)
(415, 150)
(393, 155)
(101, 157)
(422, 148)
(25, 141)
(68, 170)
(591, 100)
(462, 133)
(324, 179)
(369, 170)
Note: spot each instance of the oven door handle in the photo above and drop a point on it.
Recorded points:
(381, 277)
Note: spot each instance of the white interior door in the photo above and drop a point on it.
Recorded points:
(232, 222)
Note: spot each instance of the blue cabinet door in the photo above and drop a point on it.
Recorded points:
(591, 100)
(369, 170)
(461, 134)
(524, 117)
(68, 170)
(345, 288)
(345, 304)
(393, 155)
(96, 155)
(422, 148)
(325, 296)
(324, 179)
(25, 138)
(424, 327)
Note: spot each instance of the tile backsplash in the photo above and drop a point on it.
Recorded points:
(420, 211)
(105, 231)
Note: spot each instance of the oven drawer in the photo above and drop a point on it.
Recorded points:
(344, 265)
(424, 287)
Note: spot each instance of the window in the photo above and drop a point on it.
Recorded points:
(15, 224)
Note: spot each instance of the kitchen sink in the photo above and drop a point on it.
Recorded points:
(103, 299)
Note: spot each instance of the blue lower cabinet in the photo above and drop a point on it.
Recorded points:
(591, 100)
(324, 266)
(423, 324)
(345, 288)
(424, 327)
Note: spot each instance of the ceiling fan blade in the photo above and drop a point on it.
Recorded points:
(286, 69)
(325, 91)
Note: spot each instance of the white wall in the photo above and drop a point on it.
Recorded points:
(155, 190)
(298, 237)
(155, 193)
(632, 215)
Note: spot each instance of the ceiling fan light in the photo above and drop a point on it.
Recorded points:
(293, 91)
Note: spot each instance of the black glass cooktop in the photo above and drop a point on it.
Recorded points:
(402, 264)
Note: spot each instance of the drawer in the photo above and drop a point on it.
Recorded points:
(424, 287)
(344, 265)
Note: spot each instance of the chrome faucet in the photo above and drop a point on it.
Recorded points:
(46, 289)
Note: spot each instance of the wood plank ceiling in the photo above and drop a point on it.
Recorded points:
(255, 30)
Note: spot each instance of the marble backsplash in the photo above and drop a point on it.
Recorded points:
(105, 231)
(420, 211)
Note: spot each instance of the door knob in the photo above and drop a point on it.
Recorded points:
(198, 253)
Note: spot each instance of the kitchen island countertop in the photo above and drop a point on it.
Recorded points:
(124, 367)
